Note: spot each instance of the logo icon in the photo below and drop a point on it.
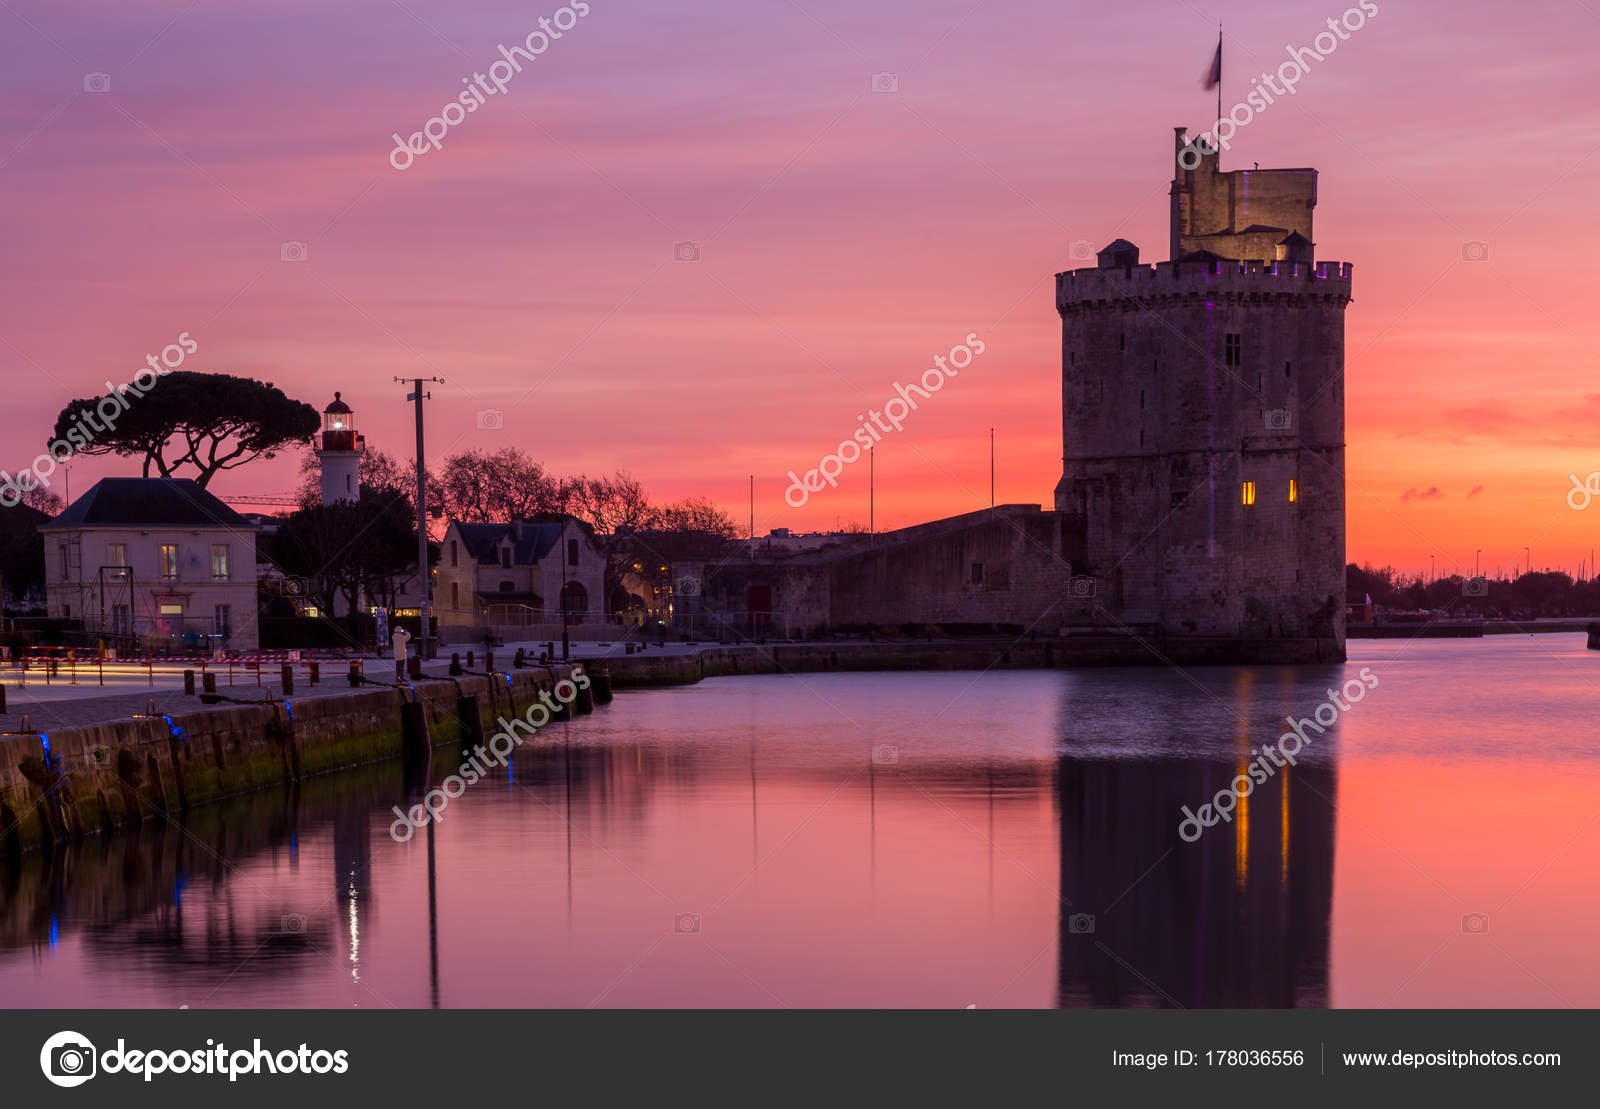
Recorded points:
(686, 924)
(885, 82)
(1080, 924)
(1277, 419)
(1583, 491)
(97, 82)
(1475, 924)
(293, 251)
(67, 1059)
(686, 250)
(1081, 250)
(1475, 251)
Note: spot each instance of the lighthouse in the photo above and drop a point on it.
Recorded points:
(340, 453)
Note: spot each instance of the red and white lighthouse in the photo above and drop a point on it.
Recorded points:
(340, 453)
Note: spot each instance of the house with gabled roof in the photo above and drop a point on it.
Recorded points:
(521, 574)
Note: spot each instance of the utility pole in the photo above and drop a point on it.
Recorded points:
(991, 467)
(872, 498)
(422, 513)
(752, 517)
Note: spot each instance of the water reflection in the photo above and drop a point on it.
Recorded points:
(861, 840)
(1238, 919)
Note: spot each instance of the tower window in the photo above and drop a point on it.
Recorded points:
(1122, 341)
(347, 484)
(1141, 400)
(505, 558)
(572, 552)
(453, 553)
(1288, 367)
(1230, 348)
(976, 577)
(1294, 491)
(1247, 494)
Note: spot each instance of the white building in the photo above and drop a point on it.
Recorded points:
(519, 575)
(153, 562)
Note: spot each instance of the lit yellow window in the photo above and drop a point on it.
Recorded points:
(1248, 496)
(1294, 490)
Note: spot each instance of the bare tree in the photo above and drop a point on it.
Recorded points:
(496, 486)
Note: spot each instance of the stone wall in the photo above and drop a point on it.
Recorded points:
(1004, 566)
(107, 775)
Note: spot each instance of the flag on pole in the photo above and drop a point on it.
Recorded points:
(1213, 77)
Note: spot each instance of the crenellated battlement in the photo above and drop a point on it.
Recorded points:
(1211, 277)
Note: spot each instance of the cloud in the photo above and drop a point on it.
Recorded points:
(1474, 491)
(1431, 493)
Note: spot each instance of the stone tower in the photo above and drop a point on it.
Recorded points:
(339, 452)
(1203, 421)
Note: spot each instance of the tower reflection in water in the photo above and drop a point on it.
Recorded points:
(1237, 919)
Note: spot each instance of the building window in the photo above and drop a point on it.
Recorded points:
(1141, 400)
(453, 561)
(455, 594)
(117, 555)
(66, 569)
(1122, 341)
(349, 482)
(1294, 491)
(508, 587)
(976, 577)
(1230, 348)
(572, 552)
(505, 558)
(171, 610)
(169, 562)
(121, 620)
(1248, 495)
(221, 562)
(1287, 366)
(224, 620)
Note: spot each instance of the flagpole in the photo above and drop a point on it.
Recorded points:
(1219, 78)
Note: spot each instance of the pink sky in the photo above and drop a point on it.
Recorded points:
(846, 236)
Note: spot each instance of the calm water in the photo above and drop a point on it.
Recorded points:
(737, 843)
